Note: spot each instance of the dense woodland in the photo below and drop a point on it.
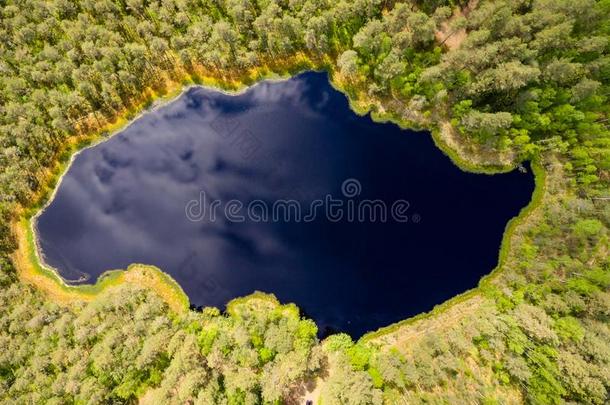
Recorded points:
(526, 78)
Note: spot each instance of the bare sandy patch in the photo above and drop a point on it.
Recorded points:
(453, 39)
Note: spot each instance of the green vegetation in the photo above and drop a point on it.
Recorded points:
(497, 81)
(118, 346)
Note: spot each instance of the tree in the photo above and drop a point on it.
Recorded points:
(584, 89)
(506, 77)
(348, 63)
(563, 71)
(345, 386)
(390, 68)
(369, 39)
(487, 124)
(317, 34)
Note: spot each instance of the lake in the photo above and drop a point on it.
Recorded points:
(285, 190)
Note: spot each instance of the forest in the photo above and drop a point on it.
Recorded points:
(498, 82)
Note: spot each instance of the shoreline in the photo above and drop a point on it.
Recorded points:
(486, 280)
(28, 247)
(100, 138)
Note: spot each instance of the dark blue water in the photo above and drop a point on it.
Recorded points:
(146, 196)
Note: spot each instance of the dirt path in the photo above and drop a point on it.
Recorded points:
(453, 39)
(314, 394)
